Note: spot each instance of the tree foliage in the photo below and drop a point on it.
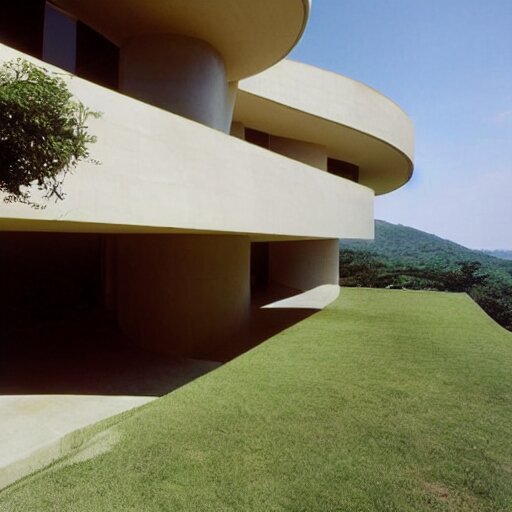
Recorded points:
(360, 268)
(408, 247)
(43, 132)
(404, 257)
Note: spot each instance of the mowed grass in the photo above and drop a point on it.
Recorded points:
(385, 401)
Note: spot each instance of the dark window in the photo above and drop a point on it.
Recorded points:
(21, 25)
(59, 43)
(97, 59)
(343, 169)
(256, 137)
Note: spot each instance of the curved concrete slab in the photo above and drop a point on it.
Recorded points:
(251, 35)
(179, 176)
(354, 122)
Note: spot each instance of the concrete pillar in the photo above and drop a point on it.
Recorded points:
(181, 74)
(182, 294)
(238, 130)
(304, 264)
(306, 152)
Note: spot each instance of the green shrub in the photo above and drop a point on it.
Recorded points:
(43, 132)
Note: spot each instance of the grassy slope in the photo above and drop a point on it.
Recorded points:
(387, 400)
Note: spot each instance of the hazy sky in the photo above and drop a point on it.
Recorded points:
(448, 64)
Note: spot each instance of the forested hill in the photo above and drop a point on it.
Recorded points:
(504, 255)
(409, 246)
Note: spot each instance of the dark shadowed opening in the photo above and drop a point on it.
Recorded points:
(257, 138)
(343, 169)
(97, 59)
(59, 333)
(21, 25)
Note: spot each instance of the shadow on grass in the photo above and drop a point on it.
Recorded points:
(262, 323)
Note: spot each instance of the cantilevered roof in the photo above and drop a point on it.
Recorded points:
(251, 35)
(356, 123)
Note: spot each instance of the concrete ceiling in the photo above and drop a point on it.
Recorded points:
(251, 35)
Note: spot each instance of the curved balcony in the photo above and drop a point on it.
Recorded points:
(162, 173)
(355, 123)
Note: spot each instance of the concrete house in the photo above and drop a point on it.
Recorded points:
(227, 173)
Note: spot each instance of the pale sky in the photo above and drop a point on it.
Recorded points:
(448, 64)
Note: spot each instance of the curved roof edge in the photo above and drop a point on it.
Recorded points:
(355, 122)
(251, 35)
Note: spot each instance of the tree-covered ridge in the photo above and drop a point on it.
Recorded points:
(403, 257)
(405, 246)
(498, 253)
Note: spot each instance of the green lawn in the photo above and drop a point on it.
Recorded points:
(386, 400)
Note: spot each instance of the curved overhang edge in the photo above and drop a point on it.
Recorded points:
(353, 80)
(306, 5)
(378, 191)
(257, 68)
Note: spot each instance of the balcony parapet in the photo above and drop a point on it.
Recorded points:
(355, 123)
(162, 173)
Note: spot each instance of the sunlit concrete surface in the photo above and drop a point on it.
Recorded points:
(352, 121)
(316, 298)
(31, 426)
(58, 380)
(179, 176)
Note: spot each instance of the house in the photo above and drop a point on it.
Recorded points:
(226, 171)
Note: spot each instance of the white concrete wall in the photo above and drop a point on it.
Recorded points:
(305, 152)
(304, 264)
(180, 74)
(162, 173)
(181, 294)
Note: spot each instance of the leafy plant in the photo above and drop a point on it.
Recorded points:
(43, 132)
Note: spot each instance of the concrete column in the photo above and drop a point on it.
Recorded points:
(238, 130)
(182, 294)
(306, 152)
(180, 74)
(304, 264)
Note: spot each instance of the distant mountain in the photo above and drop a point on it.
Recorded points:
(407, 246)
(504, 255)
